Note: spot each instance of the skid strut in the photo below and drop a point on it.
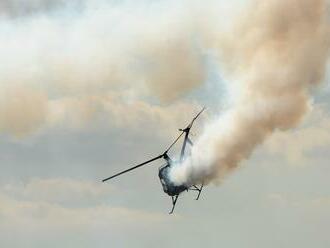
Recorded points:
(174, 199)
(194, 187)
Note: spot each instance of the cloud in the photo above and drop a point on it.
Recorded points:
(21, 110)
(308, 204)
(21, 8)
(72, 63)
(118, 110)
(298, 146)
(42, 212)
(61, 191)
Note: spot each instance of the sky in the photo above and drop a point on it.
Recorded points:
(88, 88)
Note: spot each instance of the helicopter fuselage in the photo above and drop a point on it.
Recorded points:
(168, 186)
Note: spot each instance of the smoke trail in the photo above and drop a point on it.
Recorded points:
(279, 50)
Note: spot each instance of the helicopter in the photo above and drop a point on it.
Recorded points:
(169, 187)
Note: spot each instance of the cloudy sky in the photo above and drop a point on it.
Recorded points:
(88, 88)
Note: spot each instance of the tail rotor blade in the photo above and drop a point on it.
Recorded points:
(133, 168)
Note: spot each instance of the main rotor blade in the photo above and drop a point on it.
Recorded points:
(186, 138)
(135, 167)
(184, 131)
(174, 141)
(192, 122)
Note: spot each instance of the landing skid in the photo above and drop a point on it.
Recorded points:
(194, 187)
(174, 199)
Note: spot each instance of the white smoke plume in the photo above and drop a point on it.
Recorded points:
(278, 51)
